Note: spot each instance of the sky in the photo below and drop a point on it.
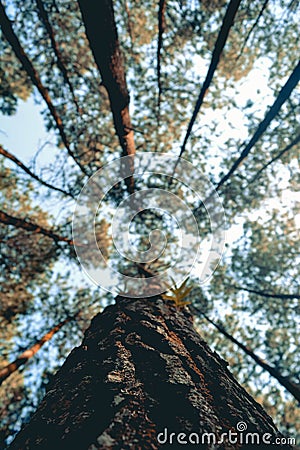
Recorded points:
(23, 133)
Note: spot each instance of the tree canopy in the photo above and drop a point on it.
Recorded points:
(213, 82)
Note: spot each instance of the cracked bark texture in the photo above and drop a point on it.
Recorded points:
(141, 368)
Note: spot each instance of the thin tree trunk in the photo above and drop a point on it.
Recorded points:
(264, 6)
(10, 368)
(142, 370)
(101, 30)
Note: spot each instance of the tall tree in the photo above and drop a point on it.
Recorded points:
(81, 62)
(142, 374)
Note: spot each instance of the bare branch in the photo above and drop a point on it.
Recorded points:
(29, 172)
(13, 40)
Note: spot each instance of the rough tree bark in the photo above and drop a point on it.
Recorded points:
(141, 369)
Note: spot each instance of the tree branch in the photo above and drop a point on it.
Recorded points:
(266, 294)
(59, 59)
(29, 172)
(101, 31)
(280, 154)
(32, 227)
(22, 359)
(265, 4)
(273, 111)
(291, 386)
(13, 40)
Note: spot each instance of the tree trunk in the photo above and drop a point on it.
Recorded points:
(101, 31)
(142, 373)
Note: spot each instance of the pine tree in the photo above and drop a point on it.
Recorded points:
(167, 77)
